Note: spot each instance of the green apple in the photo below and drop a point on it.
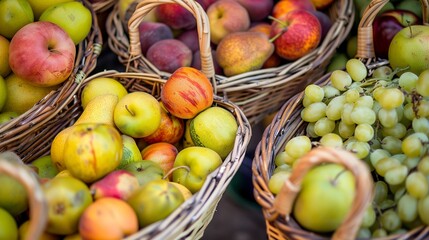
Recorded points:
(3, 92)
(410, 48)
(7, 116)
(67, 198)
(14, 14)
(193, 165)
(338, 62)
(39, 6)
(145, 171)
(326, 197)
(14, 197)
(8, 225)
(4, 58)
(24, 228)
(130, 151)
(99, 86)
(73, 17)
(155, 201)
(45, 167)
(214, 128)
(411, 5)
(137, 114)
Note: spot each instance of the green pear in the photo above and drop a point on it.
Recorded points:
(45, 167)
(241, 52)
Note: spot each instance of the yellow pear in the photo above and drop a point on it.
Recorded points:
(99, 110)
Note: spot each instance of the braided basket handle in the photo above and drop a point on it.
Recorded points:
(203, 29)
(365, 42)
(11, 164)
(283, 203)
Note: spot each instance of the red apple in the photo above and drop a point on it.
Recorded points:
(258, 9)
(161, 153)
(170, 130)
(386, 25)
(284, 6)
(296, 34)
(42, 53)
(175, 16)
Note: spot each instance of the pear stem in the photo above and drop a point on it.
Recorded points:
(174, 169)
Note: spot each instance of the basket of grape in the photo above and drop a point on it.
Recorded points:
(47, 59)
(373, 111)
(251, 74)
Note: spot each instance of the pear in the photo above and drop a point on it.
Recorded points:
(242, 52)
(99, 110)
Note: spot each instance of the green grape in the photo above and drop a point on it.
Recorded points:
(368, 217)
(356, 69)
(363, 233)
(331, 140)
(352, 95)
(346, 113)
(417, 185)
(345, 130)
(396, 175)
(334, 108)
(284, 167)
(407, 208)
(392, 144)
(423, 165)
(330, 91)
(409, 112)
(314, 93)
(387, 117)
(298, 146)
(399, 192)
(399, 231)
(414, 145)
(423, 209)
(306, 101)
(397, 131)
(423, 108)
(386, 204)
(364, 132)
(376, 107)
(380, 191)
(411, 162)
(407, 81)
(313, 112)
(384, 164)
(283, 159)
(378, 92)
(340, 79)
(360, 115)
(375, 144)
(324, 126)
(400, 112)
(364, 101)
(421, 125)
(422, 85)
(382, 72)
(401, 157)
(379, 233)
(413, 224)
(310, 130)
(378, 154)
(391, 98)
(390, 220)
(360, 149)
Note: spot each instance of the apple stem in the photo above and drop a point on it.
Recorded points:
(281, 32)
(174, 169)
(334, 181)
(131, 112)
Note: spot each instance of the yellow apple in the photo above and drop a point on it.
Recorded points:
(39, 6)
(4, 57)
(102, 85)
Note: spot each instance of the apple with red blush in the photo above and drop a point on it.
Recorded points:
(175, 16)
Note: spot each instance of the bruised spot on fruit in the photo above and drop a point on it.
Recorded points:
(59, 208)
(79, 198)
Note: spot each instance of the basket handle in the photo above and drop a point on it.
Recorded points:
(283, 203)
(203, 29)
(365, 42)
(11, 164)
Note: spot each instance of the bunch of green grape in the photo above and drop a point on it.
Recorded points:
(383, 117)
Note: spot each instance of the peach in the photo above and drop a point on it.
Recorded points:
(169, 54)
(284, 6)
(108, 218)
(187, 92)
(152, 32)
(161, 153)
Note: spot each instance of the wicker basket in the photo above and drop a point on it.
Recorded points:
(286, 124)
(191, 219)
(29, 134)
(102, 6)
(258, 92)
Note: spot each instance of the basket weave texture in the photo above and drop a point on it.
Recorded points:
(258, 92)
(288, 123)
(191, 219)
(29, 134)
(104, 5)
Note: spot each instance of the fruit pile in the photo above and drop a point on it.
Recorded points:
(131, 159)
(38, 49)
(244, 35)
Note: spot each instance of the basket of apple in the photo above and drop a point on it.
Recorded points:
(260, 52)
(136, 163)
(373, 113)
(47, 48)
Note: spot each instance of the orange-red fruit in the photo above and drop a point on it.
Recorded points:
(162, 153)
(108, 218)
(187, 92)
